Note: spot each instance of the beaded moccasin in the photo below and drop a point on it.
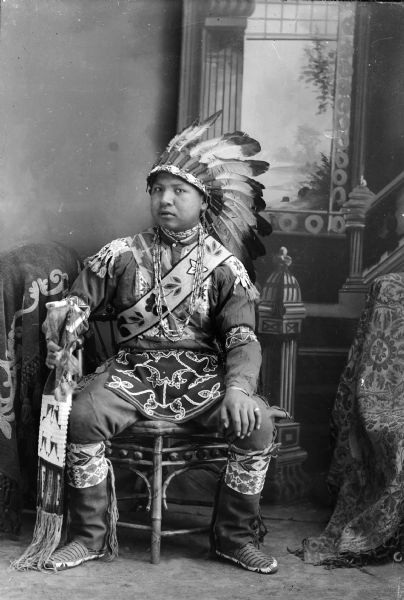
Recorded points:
(251, 558)
(71, 555)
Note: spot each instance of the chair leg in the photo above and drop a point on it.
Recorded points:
(156, 508)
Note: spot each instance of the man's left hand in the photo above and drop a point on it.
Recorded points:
(240, 411)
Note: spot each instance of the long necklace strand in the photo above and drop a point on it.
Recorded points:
(197, 281)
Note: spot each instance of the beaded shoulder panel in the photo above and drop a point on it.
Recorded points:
(242, 278)
(103, 262)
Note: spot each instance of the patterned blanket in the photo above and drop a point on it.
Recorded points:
(367, 471)
(30, 276)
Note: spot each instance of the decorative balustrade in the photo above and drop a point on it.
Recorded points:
(306, 221)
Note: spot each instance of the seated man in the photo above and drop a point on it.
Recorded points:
(183, 302)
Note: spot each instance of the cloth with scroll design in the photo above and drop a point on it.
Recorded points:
(367, 470)
(30, 276)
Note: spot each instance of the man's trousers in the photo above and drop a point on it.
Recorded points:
(98, 415)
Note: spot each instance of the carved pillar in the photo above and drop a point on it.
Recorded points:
(212, 61)
(342, 105)
(193, 17)
(354, 290)
(280, 316)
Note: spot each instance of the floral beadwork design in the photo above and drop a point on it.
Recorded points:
(86, 464)
(102, 263)
(171, 384)
(246, 471)
(238, 336)
(242, 278)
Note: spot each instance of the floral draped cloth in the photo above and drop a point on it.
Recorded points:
(367, 470)
(30, 276)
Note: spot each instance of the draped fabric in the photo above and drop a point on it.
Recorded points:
(367, 474)
(30, 276)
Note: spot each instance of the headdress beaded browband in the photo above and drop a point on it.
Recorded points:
(222, 169)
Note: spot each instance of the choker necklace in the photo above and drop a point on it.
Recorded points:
(176, 334)
(180, 235)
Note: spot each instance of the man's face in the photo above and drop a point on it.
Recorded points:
(175, 204)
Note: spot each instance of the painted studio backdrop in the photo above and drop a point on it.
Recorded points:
(91, 91)
(88, 98)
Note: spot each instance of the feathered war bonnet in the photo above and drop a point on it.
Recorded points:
(223, 170)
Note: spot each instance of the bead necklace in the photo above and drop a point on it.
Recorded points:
(196, 292)
(180, 236)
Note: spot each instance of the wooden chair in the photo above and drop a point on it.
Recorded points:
(157, 452)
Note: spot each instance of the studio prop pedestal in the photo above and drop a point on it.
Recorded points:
(280, 315)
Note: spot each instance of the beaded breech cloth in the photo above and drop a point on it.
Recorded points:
(174, 385)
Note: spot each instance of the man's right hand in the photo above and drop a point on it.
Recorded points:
(54, 355)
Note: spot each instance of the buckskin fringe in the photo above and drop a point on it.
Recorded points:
(112, 517)
(45, 540)
(63, 325)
